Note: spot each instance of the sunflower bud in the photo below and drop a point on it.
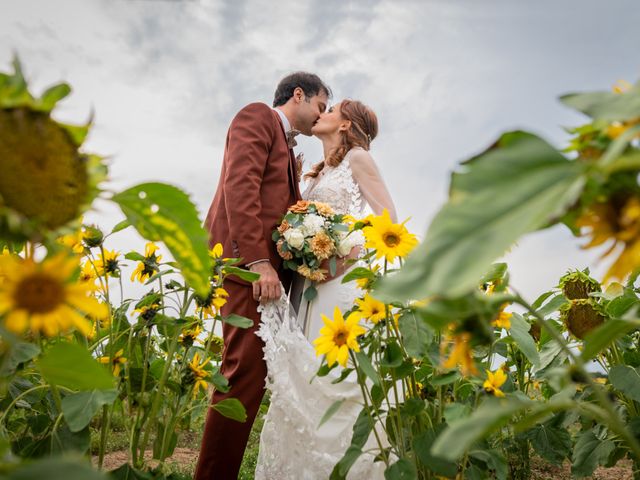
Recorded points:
(578, 284)
(92, 236)
(581, 316)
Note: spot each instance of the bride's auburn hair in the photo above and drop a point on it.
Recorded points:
(363, 129)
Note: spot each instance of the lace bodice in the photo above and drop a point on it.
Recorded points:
(337, 187)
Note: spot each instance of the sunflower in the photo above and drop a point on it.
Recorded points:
(494, 381)
(337, 337)
(216, 252)
(211, 305)
(503, 320)
(73, 241)
(149, 266)
(199, 373)
(46, 180)
(461, 355)
(370, 309)
(44, 298)
(618, 219)
(87, 272)
(390, 240)
(107, 264)
(115, 362)
(190, 335)
(322, 246)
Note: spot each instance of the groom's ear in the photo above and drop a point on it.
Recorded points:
(298, 95)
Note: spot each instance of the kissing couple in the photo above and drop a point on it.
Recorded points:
(258, 182)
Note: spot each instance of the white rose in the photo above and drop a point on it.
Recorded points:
(294, 237)
(346, 244)
(312, 224)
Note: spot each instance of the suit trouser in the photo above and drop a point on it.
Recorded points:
(224, 440)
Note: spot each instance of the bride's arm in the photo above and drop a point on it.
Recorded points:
(372, 186)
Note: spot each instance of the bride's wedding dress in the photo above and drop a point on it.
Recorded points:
(292, 444)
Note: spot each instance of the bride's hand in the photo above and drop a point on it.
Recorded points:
(342, 264)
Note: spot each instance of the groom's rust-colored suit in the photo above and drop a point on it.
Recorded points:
(257, 184)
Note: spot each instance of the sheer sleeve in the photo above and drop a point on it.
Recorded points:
(368, 178)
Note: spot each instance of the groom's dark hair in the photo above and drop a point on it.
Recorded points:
(310, 84)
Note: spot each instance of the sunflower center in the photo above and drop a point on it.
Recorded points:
(39, 293)
(340, 338)
(391, 239)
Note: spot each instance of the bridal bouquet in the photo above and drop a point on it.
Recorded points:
(309, 234)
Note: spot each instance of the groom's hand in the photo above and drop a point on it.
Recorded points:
(267, 287)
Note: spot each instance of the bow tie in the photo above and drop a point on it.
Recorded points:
(291, 137)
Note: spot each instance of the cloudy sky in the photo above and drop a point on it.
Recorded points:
(446, 77)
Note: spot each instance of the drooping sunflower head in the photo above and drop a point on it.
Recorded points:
(45, 298)
(390, 240)
(581, 316)
(578, 284)
(46, 181)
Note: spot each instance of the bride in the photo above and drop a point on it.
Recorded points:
(293, 444)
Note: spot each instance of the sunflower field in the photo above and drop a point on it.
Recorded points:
(461, 376)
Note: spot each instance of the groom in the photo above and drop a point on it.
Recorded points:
(258, 182)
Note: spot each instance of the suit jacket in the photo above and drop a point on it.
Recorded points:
(258, 182)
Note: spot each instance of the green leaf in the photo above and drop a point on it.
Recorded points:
(231, 408)
(491, 415)
(520, 333)
(548, 354)
(403, 469)
(121, 226)
(127, 472)
(608, 106)
(20, 352)
(51, 96)
(333, 265)
(165, 213)
(77, 133)
(243, 274)
(310, 293)
(445, 379)
(551, 443)
(392, 356)
(365, 364)
(57, 468)
(65, 441)
(79, 408)
(422, 446)
(416, 334)
(588, 453)
(603, 336)
(238, 321)
(552, 305)
(356, 273)
(627, 380)
(335, 406)
(170, 445)
(519, 185)
(135, 256)
(72, 366)
(361, 431)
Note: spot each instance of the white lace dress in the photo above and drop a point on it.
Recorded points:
(292, 445)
